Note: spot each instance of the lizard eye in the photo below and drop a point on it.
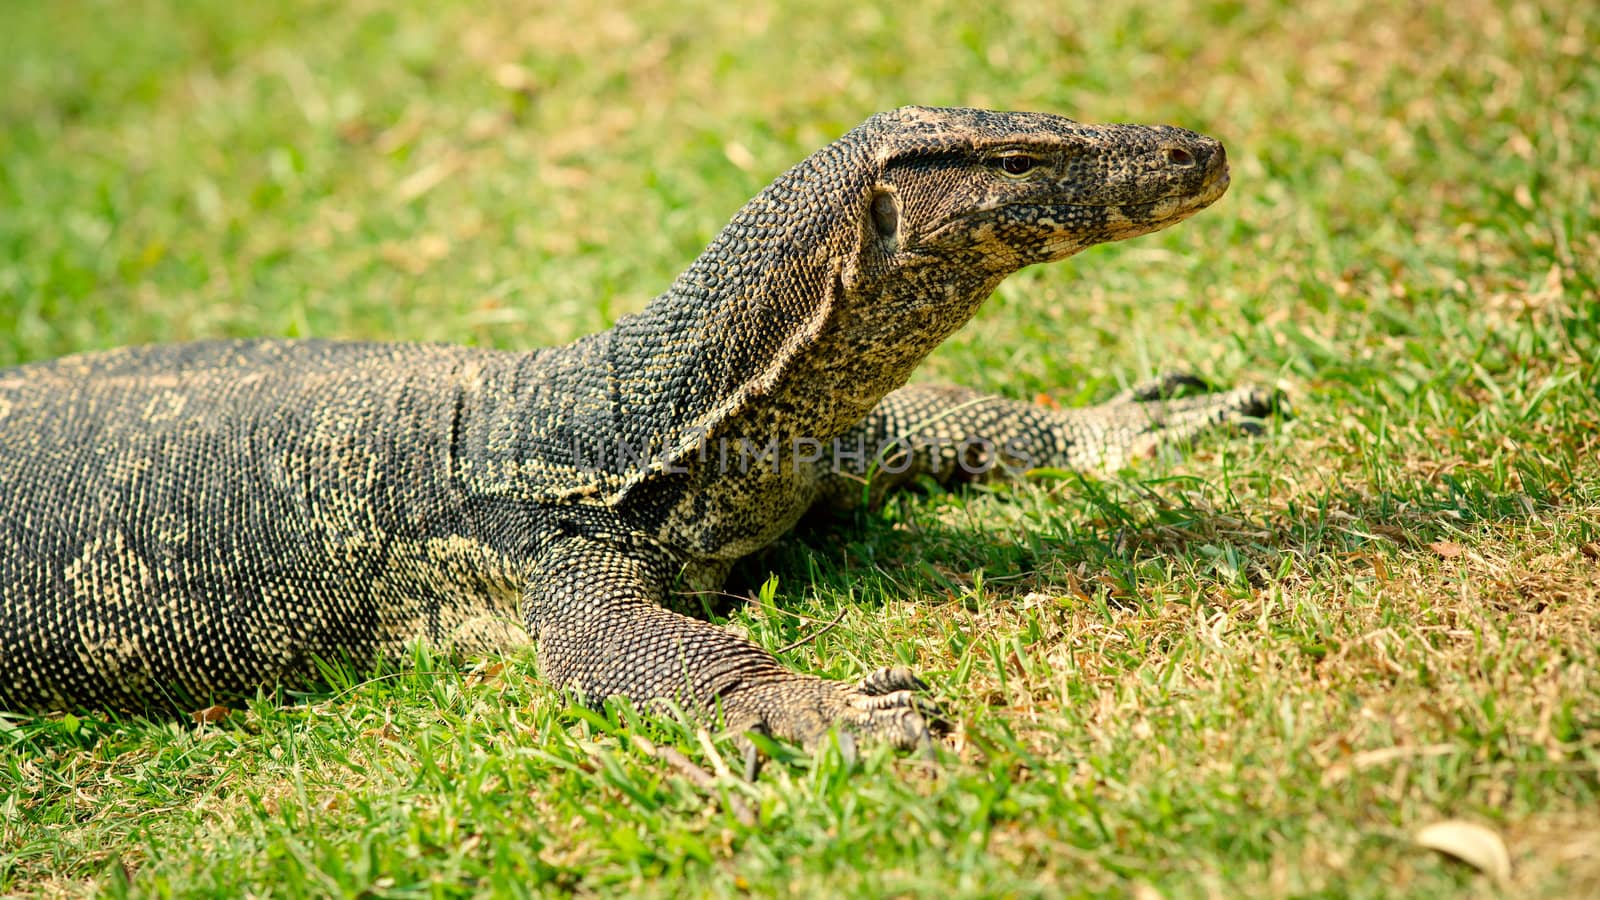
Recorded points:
(1016, 164)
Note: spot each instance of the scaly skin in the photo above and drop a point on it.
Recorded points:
(186, 524)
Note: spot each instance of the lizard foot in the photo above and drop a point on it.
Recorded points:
(1166, 386)
(1170, 409)
(888, 706)
(1181, 397)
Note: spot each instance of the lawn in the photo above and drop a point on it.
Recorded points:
(1260, 667)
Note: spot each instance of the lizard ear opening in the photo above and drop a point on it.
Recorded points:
(886, 219)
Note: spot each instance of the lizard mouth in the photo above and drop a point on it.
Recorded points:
(1192, 201)
(1215, 186)
(1171, 208)
(1126, 219)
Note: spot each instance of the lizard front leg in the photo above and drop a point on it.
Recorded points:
(595, 610)
(957, 434)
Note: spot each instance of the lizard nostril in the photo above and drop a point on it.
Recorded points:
(1180, 157)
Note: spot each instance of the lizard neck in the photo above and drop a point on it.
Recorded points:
(896, 315)
(729, 327)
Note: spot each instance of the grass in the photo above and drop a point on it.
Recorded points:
(1258, 669)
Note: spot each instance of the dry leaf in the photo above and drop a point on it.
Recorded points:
(1471, 843)
(515, 78)
(1379, 569)
(210, 715)
(1014, 663)
(1143, 891)
(1447, 549)
(384, 732)
(487, 673)
(740, 156)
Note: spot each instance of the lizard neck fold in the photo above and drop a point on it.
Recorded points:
(729, 326)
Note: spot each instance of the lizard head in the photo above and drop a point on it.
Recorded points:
(1003, 190)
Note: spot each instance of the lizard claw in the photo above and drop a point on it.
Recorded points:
(890, 679)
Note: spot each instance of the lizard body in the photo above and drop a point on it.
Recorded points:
(187, 523)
